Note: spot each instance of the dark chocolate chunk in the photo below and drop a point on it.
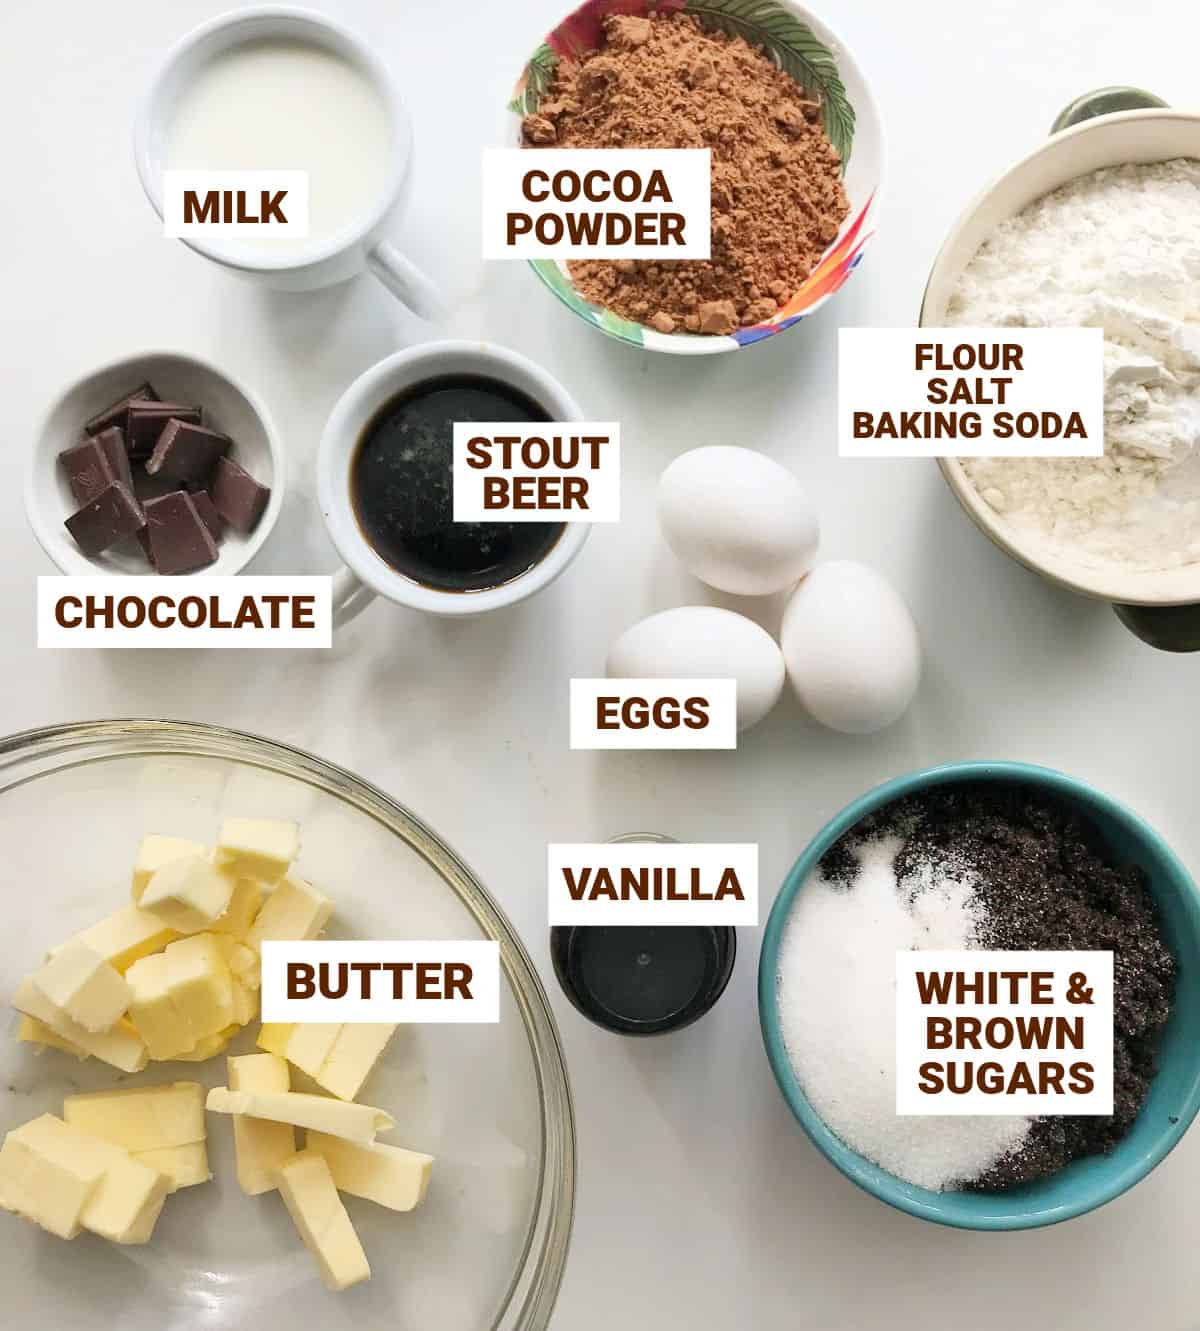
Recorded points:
(115, 415)
(109, 518)
(143, 539)
(179, 540)
(89, 471)
(237, 496)
(187, 453)
(145, 421)
(208, 514)
(112, 441)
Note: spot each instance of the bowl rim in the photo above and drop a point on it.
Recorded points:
(708, 344)
(72, 561)
(920, 1202)
(1099, 584)
(530, 1297)
(255, 19)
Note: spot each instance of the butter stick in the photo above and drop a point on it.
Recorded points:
(261, 1145)
(357, 1123)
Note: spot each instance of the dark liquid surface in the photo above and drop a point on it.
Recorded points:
(644, 974)
(402, 488)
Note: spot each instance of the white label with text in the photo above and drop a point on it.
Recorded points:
(970, 392)
(652, 883)
(200, 204)
(216, 610)
(557, 471)
(406, 980)
(1004, 1032)
(596, 203)
(654, 714)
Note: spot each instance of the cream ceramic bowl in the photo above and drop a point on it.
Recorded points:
(1095, 131)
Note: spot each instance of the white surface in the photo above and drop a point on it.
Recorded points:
(701, 1203)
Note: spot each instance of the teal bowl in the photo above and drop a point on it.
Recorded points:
(1174, 1094)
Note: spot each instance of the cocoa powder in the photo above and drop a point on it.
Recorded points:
(777, 195)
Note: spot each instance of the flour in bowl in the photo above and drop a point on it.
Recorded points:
(1119, 250)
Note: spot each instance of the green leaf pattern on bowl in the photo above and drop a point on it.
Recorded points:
(539, 74)
(795, 49)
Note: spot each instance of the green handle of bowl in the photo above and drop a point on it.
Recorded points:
(1170, 628)
(1104, 102)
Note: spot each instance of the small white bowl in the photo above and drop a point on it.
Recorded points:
(228, 407)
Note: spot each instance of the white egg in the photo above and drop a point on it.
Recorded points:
(704, 642)
(737, 520)
(852, 650)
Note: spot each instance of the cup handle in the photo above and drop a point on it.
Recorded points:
(351, 596)
(1170, 628)
(1103, 102)
(404, 280)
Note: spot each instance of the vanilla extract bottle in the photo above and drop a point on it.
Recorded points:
(643, 979)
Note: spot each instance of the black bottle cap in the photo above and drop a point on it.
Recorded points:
(637, 980)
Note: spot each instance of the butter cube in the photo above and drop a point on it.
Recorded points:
(295, 910)
(244, 904)
(209, 1046)
(162, 1126)
(123, 1047)
(245, 1003)
(152, 1012)
(201, 987)
(261, 1145)
(189, 895)
(309, 1044)
(84, 986)
(141, 1118)
(154, 852)
(129, 934)
(312, 1200)
(243, 962)
(355, 1122)
(257, 847)
(387, 1175)
(274, 1037)
(184, 1166)
(128, 1196)
(355, 1052)
(32, 1031)
(49, 1187)
(337, 1057)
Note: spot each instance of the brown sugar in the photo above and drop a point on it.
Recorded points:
(777, 195)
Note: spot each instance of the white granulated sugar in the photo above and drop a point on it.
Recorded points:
(1119, 250)
(837, 1007)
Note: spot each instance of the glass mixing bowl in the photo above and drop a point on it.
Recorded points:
(492, 1103)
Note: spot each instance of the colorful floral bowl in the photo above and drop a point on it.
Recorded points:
(803, 46)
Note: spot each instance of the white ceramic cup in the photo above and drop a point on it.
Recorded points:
(357, 247)
(367, 574)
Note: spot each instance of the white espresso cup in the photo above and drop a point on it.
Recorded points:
(367, 574)
(355, 247)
